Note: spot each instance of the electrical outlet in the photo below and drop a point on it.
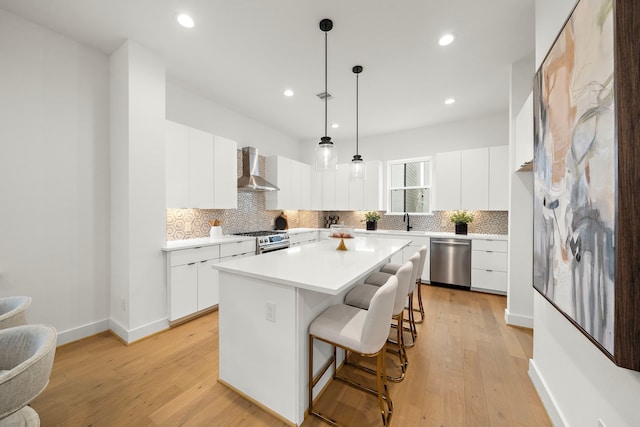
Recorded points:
(271, 311)
(601, 423)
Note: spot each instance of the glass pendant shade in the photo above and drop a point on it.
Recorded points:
(326, 155)
(357, 168)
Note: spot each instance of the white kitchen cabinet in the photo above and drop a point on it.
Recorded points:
(342, 188)
(328, 191)
(189, 278)
(474, 179)
(294, 180)
(447, 181)
(315, 202)
(208, 284)
(524, 136)
(200, 169)
(303, 238)
(373, 189)
(201, 178)
(225, 169)
(183, 290)
(241, 247)
(177, 164)
(499, 178)
(489, 265)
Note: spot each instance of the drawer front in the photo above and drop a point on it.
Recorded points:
(489, 280)
(489, 260)
(489, 245)
(237, 248)
(188, 256)
(311, 236)
(419, 241)
(237, 256)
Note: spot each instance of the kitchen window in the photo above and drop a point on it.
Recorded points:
(409, 186)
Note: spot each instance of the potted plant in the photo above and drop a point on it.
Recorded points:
(461, 219)
(372, 220)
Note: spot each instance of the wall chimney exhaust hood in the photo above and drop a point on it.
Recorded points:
(250, 179)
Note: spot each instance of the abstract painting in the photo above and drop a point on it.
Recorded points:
(575, 172)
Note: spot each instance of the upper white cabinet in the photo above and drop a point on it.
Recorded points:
(474, 179)
(524, 136)
(200, 169)
(294, 180)
(499, 178)
(447, 181)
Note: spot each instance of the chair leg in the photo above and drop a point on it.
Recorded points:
(420, 308)
(383, 389)
(310, 374)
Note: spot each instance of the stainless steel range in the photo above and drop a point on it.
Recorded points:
(268, 241)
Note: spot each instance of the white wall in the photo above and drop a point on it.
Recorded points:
(54, 177)
(577, 383)
(482, 131)
(196, 111)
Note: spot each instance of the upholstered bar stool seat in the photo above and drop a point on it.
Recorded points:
(358, 331)
(362, 294)
(13, 310)
(26, 358)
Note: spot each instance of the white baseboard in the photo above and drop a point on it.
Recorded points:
(131, 335)
(518, 320)
(546, 396)
(81, 332)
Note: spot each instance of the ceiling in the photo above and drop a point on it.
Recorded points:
(244, 53)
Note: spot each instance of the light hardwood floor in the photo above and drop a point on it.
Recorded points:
(467, 369)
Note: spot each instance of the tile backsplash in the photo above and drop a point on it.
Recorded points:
(252, 215)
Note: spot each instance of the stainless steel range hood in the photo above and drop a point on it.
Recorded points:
(250, 179)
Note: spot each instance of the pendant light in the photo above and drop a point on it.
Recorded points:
(326, 156)
(357, 164)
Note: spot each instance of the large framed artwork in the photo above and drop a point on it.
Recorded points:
(586, 202)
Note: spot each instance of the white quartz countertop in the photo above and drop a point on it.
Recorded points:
(434, 234)
(318, 266)
(173, 245)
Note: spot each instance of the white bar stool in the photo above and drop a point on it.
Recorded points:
(392, 269)
(360, 296)
(364, 332)
(12, 311)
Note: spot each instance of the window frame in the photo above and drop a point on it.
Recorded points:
(429, 175)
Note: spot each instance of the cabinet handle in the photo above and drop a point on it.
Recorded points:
(204, 261)
(191, 263)
(489, 252)
(197, 247)
(490, 271)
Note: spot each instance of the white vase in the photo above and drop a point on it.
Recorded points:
(216, 231)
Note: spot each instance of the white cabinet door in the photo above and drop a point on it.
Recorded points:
(200, 169)
(328, 191)
(447, 181)
(524, 134)
(373, 199)
(207, 284)
(225, 160)
(342, 188)
(183, 290)
(177, 165)
(356, 193)
(474, 180)
(294, 180)
(304, 186)
(315, 202)
(499, 178)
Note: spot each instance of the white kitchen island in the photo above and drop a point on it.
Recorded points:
(267, 303)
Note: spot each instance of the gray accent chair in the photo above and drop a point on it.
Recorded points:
(12, 311)
(26, 358)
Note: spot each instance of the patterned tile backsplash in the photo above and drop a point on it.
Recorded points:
(252, 215)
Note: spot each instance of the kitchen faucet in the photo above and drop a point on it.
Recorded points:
(406, 219)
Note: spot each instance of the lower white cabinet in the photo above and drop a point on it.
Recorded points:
(303, 238)
(193, 282)
(489, 265)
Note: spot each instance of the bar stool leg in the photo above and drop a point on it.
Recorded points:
(420, 308)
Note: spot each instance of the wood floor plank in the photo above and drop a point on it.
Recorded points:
(467, 368)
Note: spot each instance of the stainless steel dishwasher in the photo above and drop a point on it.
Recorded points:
(451, 261)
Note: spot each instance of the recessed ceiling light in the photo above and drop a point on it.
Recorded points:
(288, 92)
(335, 125)
(450, 101)
(185, 20)
(446, 39)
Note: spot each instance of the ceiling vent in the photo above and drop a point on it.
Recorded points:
(324, 95)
